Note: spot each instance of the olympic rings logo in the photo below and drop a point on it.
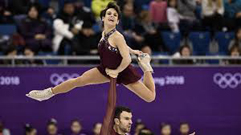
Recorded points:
(56, 79)
(227, 80)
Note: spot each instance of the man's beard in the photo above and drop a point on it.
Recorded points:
(125, 130)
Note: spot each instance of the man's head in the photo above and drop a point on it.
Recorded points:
(165, 129)
(97, 128)
(184, 128)
(52, 127)
(76, 126)
(123, 119)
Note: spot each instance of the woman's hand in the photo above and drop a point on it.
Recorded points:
(137, 52)
(112, 73)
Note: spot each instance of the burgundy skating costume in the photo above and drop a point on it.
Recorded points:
(111, 58)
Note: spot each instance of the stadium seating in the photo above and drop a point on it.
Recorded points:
(171, 40)
(223, 39)
(7, 29)
(200, 42)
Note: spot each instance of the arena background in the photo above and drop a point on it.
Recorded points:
(201, 87)
(206, 97)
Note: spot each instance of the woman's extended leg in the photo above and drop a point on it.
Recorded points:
(92, 76)
(146, 89)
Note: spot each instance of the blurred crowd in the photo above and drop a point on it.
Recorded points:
(73, 27)
(76, 128)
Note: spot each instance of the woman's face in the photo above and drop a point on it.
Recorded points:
(33, 132)
(76, 127)
(33, 13)
(97, 129)
(186, 51)
(111, 17)
(239, 34)
(235, 52)
(173, 3)
(69, 9)
(52, 130)
(166, 130)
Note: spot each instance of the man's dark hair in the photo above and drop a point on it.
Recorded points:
(119, 110)
(164, 125)
(111, 5)
(184, 123)
(75, 120)
(53, 122)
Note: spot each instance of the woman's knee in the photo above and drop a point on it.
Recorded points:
(151, 98)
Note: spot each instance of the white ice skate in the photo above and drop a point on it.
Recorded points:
(144, 62)
(40, 95)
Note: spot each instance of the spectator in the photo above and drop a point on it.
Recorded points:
(35, 31)
(121, 3)
(128, 22)
(29, 130)
(50, 10)
(97, 128)
(158, 10)
(66, 26)
(84, 13)
(138, 127)
(234, 52)
(76, 128)
(165, 129)
(145, 131)
(213, 11)
(184, 128)
(148, 30)
(21, 7)
(188, 21)
(86, 42)
(232, 12)
(185, 52)
(98, 5)
(173, 16)
(236, 40)
(3, 130)
(52, 128)
(6, 15)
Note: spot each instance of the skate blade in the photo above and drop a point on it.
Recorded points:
(33, 98)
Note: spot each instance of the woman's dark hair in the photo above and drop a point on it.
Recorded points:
(28, 128)
(75, 120)
(37, 7)
(236, 33)
(164, 125)
(185, 46)
(111, 5)
(184, 123)
(169, 3)
(52, 121)
(234, 47)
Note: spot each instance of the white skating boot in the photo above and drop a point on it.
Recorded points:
(41, 95)
(144, 62)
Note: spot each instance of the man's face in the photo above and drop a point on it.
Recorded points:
(97, 129)
(125, 122)
(184, 129)
(52, 130)
(76, 127)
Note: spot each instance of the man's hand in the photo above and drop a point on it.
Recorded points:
(112, 73)
(40, 37)
(192, 133)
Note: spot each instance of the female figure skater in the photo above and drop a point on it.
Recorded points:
(115, 62)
